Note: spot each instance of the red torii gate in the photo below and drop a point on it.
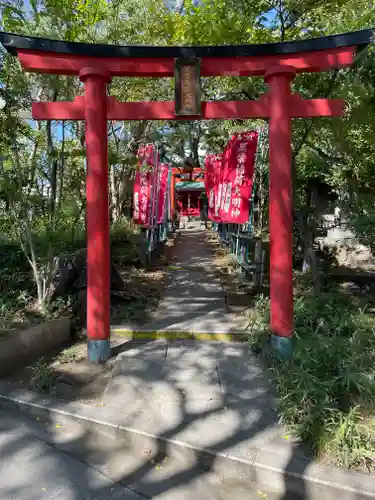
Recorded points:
(96, 64)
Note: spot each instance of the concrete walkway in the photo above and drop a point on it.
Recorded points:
(32, 469)
(194, 300)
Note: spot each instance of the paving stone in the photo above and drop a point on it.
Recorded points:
(194, 300)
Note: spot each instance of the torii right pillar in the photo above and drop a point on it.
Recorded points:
(283, 106)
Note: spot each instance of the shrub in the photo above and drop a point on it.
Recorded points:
(327, 391)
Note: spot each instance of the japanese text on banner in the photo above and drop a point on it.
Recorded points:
(238, 170)
(143, 186)
(163, 187)
(213, 173)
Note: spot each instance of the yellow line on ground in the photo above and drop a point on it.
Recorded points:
(178, 335)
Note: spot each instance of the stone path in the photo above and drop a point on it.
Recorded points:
(209, 395)
(194, 300)
(205, 394)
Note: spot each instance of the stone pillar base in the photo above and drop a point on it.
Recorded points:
(98, 351)
(283, 347)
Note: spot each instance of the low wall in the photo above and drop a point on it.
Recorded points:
(24, 346)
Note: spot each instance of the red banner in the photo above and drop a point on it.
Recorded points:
(143, 186)
(209, 183)
(238, 178)
(163, 186)
(212, 175)
(219, 164)
(225, 186)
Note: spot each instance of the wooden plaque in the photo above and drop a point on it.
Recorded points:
(187, 87)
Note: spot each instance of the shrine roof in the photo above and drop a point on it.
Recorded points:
(189, 186)
(13, 43)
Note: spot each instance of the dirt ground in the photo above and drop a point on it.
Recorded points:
(143, 288)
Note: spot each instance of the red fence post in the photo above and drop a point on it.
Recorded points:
(97, 209)
(280, 208)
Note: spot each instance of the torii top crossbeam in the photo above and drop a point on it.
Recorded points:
(96, 64)
(60, 57)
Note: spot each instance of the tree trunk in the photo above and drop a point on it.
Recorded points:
(53, 162)
(112, 192)
(310, 260)
(62, 165)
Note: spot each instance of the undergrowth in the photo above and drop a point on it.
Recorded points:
(17, 287)
(41, 375)
(327, 391)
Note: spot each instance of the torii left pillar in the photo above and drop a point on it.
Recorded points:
(97, 210)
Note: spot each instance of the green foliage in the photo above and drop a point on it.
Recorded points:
(18, 291)
(362, 218)
(42, 376)
(124, 241)
(327, 391)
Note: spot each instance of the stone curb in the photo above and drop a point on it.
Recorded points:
(300, 478)
(150, 334)
(24, 346)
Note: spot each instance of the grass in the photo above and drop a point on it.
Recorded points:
(327, 391)
(68, 355)
(41, 375)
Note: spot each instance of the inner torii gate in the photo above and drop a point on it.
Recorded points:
(96, 64)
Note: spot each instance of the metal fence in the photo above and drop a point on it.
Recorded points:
(246, 248)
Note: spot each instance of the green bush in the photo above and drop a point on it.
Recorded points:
(327, 391)
(11, 257)
(125, 242)
(17, 287)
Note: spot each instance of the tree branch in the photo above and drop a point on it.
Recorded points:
(317, 149)
(311, 123)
